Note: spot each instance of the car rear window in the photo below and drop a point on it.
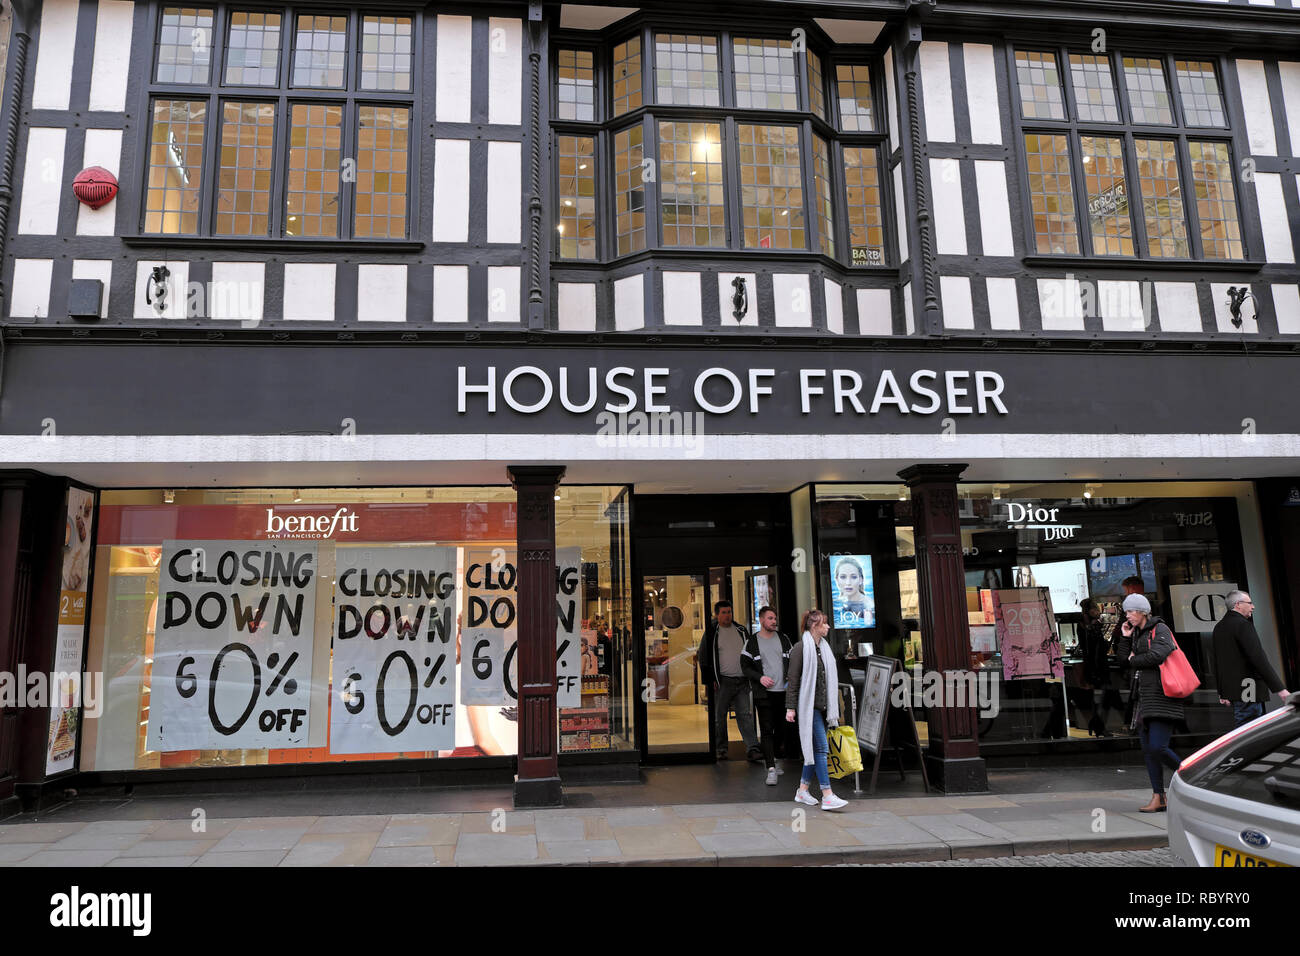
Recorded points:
(1263, 764)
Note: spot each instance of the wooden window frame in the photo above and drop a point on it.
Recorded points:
(284, 96)
(1126, 131)
(606, 125)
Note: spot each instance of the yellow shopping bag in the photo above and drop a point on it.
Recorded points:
(844, 755)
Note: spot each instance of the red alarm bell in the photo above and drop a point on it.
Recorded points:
(95, 186)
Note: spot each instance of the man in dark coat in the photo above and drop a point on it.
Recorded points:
(1240, 666)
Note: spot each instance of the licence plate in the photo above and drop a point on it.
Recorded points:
(1227, 856)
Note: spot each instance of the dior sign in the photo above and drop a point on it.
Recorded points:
(1036, 517)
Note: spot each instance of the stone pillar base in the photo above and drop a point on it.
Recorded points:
(958, 774)
(538, 792)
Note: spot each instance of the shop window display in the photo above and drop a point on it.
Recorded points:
(263, 626)
(1032, 555)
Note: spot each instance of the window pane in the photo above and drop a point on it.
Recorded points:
(175, 167)
(771, 187)
(320, 52)
(386, 53)
(1162, 199)
(1108, 211)
(1040, 85)
(314, 155)
(383, 135)
(1148, 94)
(244, 185)
(866, 224)
(1094, 88)
(1216, 201)
(765, 77)
(853, 89)
(690, 184)
(627, 76)
(577, 212)
(1202, 96)
(1051, 194)
(816, 93)
(575, 92)
(184, 45)
(823, 203)
(253, 50)
(686, 69)
(629, 190)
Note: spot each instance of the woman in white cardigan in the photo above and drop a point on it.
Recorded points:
(812, 697)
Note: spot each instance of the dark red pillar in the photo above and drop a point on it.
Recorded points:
(31, 539)
(953, 757)
(538, 781)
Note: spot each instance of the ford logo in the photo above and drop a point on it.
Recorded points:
(1255, 838)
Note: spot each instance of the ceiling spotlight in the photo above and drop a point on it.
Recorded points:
(557, 497)
(1088, 489)
(297, 496)
(169, 497)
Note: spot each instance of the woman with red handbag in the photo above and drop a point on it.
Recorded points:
(1155, 714)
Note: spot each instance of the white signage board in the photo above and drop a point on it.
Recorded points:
(488, 640)
(232, 657)
(1198, 607)
(394, 650)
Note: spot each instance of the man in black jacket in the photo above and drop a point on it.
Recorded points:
(1239, 662)
(719, 659)
(766, 662)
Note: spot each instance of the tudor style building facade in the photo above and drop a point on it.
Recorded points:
(365, 251)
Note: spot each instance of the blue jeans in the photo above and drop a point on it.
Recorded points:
(1245, 713)
(819, 754)
(1155, 734)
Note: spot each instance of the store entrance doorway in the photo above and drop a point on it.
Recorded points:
(677, 607)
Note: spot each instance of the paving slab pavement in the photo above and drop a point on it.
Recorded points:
(881, 830)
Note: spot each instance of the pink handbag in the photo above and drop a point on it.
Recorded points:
(1177, 678)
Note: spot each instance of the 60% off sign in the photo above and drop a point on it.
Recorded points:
(394, 651)
(402, 694)
(246, 681)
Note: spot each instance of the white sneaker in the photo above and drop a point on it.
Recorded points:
(832, 802)
(779, 770)
(771, 778)
(803, 796)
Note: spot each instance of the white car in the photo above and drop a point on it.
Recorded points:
(1236, 802)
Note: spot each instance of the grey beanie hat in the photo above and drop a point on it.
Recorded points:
(1136, 602)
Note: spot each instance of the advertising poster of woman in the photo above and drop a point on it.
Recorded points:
(853, 600)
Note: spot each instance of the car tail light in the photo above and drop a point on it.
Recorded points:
(1222, 742)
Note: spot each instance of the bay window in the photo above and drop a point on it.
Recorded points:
(719, 141)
